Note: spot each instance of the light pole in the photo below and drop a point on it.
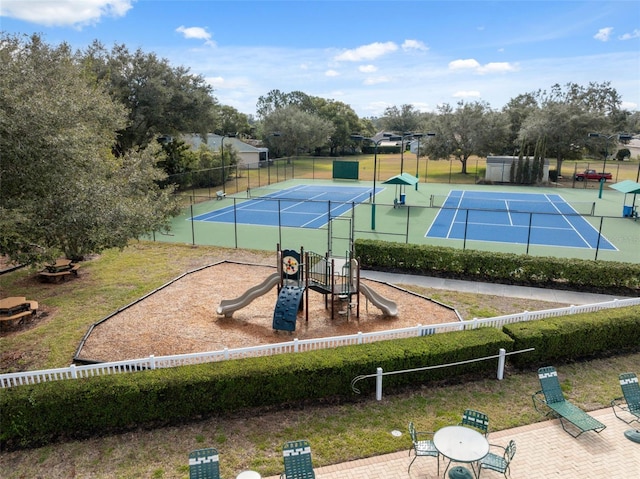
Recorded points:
(385, 136)
(619, 136)
(224, 181)
(418, 136)
(274, 134)
(405, 135)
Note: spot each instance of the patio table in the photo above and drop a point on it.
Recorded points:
(461, 444)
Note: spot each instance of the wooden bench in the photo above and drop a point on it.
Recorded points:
(220, 195)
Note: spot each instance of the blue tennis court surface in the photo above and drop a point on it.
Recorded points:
(302, 206)
(524, 218)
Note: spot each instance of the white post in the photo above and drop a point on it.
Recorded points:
(379, 384)
(501, 359)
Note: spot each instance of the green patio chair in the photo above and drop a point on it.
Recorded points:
(552, 396)
(204, 464)
(422, 445)
(476, 420)
(297, 460)
(630, 402)
(499, 462)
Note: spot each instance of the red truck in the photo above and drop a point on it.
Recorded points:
(592, 175)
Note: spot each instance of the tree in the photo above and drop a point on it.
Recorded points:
(231, 121)
(298, 130)
(565, 115)
(563, 127)
(517, 111)
(470, 129)
(401, 120)
(276, 99)
(345, 121)
(62, 190)
(159, 99)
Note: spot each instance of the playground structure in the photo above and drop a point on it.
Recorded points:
(337, 279)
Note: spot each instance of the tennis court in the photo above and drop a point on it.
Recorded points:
(300, 206)
(523, 218)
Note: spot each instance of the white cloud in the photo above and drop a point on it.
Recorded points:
(629, 105)
(464, 64)
(368, 68)
(497, 67)
(331, 73)
(414, 45)
(466, 94)
(630, 36)
(491, 67)
(197, 33)
(76, 13)
(367, 52)
(377, 80)
(216, 82)
(603, 34)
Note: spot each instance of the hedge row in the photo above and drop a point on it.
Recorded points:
(566, 338)
(496, 267)
(34, 415)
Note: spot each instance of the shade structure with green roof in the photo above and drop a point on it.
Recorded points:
(628, 187)
(401, 180)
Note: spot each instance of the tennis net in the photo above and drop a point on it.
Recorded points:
(581, 208)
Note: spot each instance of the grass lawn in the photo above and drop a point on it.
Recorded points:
(253, 440)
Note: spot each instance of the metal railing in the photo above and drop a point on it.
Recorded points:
(379, 374)
(295, 346)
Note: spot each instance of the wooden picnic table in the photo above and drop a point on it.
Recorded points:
(16, 307)
(59, 270)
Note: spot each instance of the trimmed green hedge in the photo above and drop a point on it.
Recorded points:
(576, 274)
(34, 415)
(574, 337)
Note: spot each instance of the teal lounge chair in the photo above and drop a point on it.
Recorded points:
(551, 395)
(297, 460)
(204, 464)
(630, 402)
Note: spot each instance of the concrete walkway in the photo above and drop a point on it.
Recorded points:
(543, 294)
(543, 450)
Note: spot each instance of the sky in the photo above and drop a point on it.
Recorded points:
(370, 55)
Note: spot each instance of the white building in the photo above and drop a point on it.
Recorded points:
(499, 168)
(248, 156)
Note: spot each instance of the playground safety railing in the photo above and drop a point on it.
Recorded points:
(295, 346)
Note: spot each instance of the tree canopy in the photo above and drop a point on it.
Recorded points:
(160, 99)
(61, 189)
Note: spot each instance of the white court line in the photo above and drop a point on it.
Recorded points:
(455, 215)
(564, 217)
(506, 208)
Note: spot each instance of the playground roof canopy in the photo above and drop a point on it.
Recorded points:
(404, 179)
(627, 186)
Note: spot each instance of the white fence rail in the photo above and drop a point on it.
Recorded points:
(295, 346)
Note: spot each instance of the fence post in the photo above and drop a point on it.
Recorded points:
(501, 358)
(152, 361)
(378, 384)
(72, 370)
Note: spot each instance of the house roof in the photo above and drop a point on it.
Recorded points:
(214, 142)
